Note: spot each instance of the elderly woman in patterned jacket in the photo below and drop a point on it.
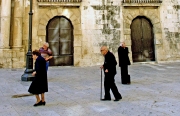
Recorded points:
(46, 53)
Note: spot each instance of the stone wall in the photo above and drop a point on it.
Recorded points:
(101, 24)
(171, 29)
(12, 58)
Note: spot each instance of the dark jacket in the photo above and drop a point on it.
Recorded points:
(110, 63)
(123, 56)
(39, 84)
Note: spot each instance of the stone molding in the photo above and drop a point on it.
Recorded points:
(142, 2)
(59, 2)
(71, 15)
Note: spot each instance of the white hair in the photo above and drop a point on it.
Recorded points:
(46, 44)
(122, 43)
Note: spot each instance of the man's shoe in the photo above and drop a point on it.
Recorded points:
(105, 99)
(118, 99)
(126, 83)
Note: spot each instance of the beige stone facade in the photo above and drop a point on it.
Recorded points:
(95, 23)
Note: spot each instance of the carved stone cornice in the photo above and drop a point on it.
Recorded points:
(142, 2)
(59, 2)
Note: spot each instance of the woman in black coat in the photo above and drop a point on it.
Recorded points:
(39, 85)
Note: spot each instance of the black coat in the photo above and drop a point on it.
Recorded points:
(123, 56)
(110, 63)
(39, 84)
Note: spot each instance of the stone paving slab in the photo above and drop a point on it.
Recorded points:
(75, 91)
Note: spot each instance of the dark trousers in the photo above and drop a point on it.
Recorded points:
(124, 71)
(109, 83)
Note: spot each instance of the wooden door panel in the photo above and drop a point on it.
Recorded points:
(142, 40)
(54, 45)
(64, 23)
(148, 42)
(53, 24)
(60, 38)
(65, 41)
(62, 60)
(136, 33)
(64, 47)
(65, 33)
(68, 59)
(53, 35)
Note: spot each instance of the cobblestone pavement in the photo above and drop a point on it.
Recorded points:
(75, 91)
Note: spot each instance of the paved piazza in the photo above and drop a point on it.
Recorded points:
(75, 91)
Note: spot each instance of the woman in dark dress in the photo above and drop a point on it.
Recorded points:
(39, 85)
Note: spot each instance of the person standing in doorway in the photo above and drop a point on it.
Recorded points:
(109, 67)
(46, 53)
(40, 84)
(124, 62)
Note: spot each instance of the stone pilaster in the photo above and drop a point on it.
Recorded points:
(17, 27)
(5, 23)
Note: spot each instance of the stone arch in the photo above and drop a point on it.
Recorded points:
(152, 15)
(68, 13)
(74, 16)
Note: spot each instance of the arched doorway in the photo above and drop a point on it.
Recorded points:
(142, 38)
(60, 37)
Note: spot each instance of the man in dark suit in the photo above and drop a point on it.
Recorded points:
(123, 62)
(109, 67)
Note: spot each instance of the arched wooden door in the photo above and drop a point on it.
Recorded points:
(60, 38)
(142, 40)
